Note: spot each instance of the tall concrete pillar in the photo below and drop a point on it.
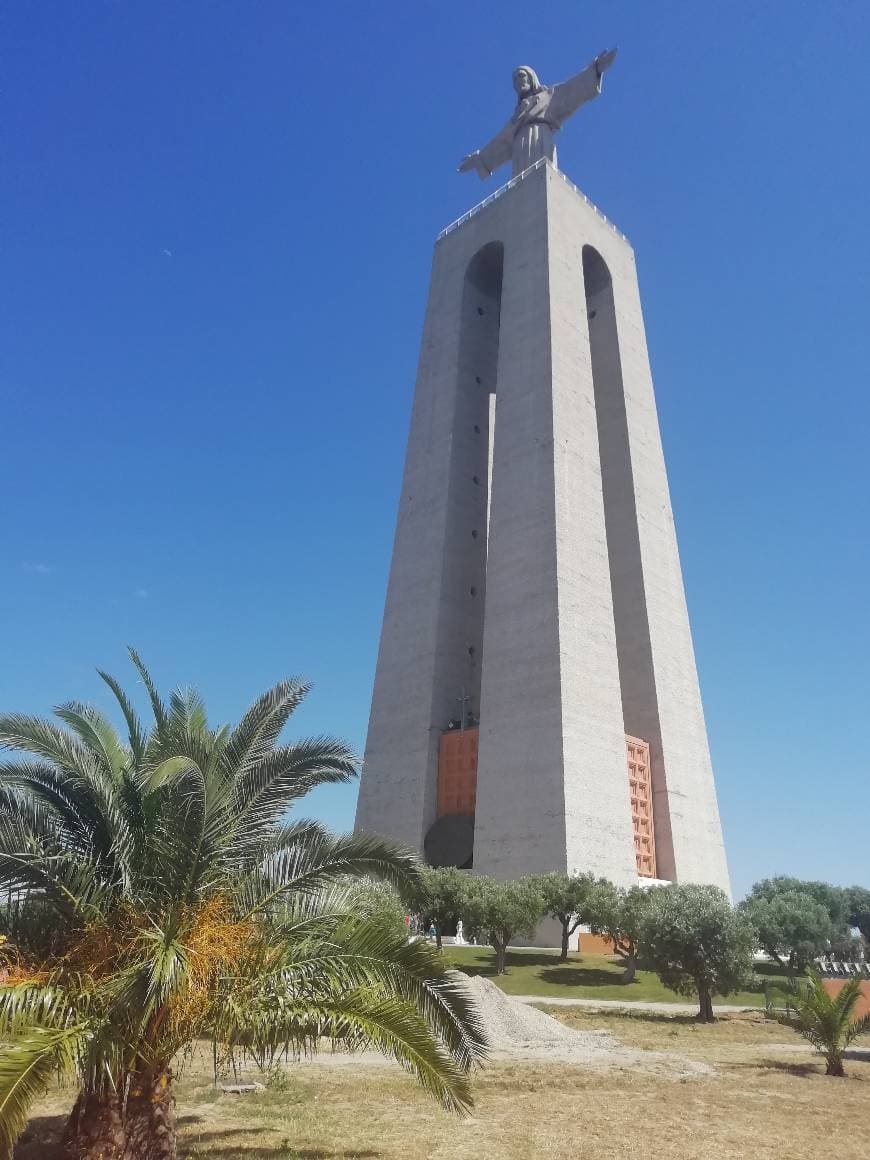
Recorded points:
(535, 582)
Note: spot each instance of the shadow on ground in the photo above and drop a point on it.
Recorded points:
(222, 1144)
(285, 1152)
(583, 977)
(801, 1070)
(564, 974)
(40, 1140)
(514, 959)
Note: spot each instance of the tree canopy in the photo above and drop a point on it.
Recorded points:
(834, 899)
(498, 911)
(442, 895)
(565, 898)
(859, 910)
(792, 927)
(697, 943)
(619, 915)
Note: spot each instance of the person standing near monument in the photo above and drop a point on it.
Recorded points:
(541, 111)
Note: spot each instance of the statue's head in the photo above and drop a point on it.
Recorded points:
(526, 82)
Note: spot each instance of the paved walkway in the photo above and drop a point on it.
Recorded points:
(630, 1005)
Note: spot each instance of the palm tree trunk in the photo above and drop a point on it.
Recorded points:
(94, 1130)
(150, 1119)
(834, 1064)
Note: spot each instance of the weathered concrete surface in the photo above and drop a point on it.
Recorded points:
(566, 626)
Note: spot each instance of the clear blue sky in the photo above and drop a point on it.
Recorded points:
(217, 222)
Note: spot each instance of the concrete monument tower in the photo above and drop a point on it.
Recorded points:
(536, 704)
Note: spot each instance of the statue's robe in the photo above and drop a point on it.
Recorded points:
(528, 135)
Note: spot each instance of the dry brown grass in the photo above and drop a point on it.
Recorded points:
(769, 1101)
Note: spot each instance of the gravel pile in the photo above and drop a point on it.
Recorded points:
(517, 1031)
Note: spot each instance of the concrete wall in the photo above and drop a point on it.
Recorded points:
(552, 785)
(577, 630)
(432, 636)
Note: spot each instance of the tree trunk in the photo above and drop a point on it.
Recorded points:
(630, 971)
(563, 957)
(438, 936)
(706, 1005)
(94, 1130)
(500, 956)
(834, 1064)
(150, 1119)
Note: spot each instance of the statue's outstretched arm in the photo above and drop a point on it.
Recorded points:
(486, 160)
(585, 86)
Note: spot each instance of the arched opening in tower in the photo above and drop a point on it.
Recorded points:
(634, 650)
(463, 582)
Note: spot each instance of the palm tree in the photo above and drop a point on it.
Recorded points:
(184, 904)
(826, 1021)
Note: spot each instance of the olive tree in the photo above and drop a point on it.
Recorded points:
(697, 943)
(791, 926)
(565, 898)
(835, 900)
(859, 910)
(442, 896)
(498, 911)
(618, 914)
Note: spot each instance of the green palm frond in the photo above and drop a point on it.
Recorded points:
(71, 883)
(44, 794)
(264, 791)
(26, 1005)
(161, 717)
(85, 775)
(22, 731)
(147, 985)
(26, 1069)
(187, 711)
(357, 1019)
(167, 965)
(378, 956)
(96, 733)
(174, 770)
(136, 736)
(258, 731)
(307, 858)
(858, 1028)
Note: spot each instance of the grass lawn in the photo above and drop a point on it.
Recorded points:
(536, 972)
(768, 1100)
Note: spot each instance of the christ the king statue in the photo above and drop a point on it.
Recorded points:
(541, 111)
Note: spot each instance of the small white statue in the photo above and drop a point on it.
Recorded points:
(460, 937)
